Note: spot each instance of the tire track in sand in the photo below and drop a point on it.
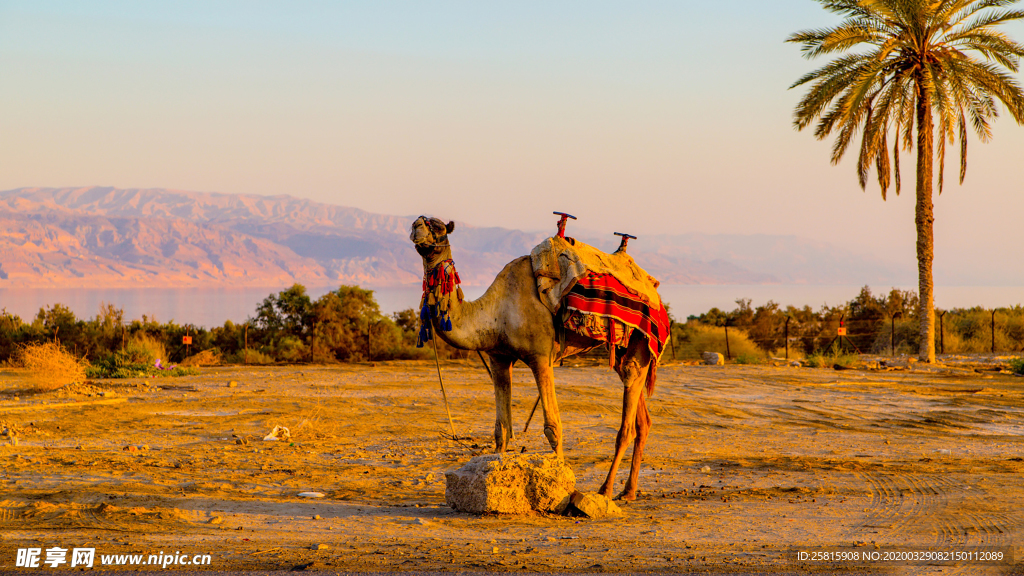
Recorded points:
(905, 507)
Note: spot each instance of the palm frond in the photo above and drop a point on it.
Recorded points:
(895, 163)
(992, 18)
(963, 149)
(989, 79)
(882, 164)
(949, 52)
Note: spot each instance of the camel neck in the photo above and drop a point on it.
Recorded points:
(435, 260)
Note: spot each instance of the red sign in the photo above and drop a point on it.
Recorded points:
(186, 339)
(842, 330)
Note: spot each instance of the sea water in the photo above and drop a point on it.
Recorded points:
(212, 306)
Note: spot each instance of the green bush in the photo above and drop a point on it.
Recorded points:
(136, 360)
(749, 359)
(1017, 365)
(830, 358)
(248, 357)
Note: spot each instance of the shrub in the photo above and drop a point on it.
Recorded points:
(248, 357)
(291, 349)
(1017, 365)
(209, 357)
(748, 358)
(907, 336)
(831, 357)
(151, 346)
(137, 360)
(51, 366)
(696, 338)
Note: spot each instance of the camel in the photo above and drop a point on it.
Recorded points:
(510, 323)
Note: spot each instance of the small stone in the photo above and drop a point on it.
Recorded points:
(317, 517)
(713, 359)
(705, 469)
(232, 384)
(321, 547)
(593, 505)
(216, 520)
(495, 550)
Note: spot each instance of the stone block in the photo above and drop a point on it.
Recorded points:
(510, 484)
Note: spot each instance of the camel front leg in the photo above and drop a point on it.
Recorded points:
(635, 421)
(501, 372)
(544, 374)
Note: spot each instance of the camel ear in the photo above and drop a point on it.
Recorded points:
(450, 226)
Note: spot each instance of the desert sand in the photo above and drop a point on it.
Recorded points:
(745, 466)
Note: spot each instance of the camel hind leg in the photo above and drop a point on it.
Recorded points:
(643, 427)
(636, 422)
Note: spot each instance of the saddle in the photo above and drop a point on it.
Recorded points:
(599, 295)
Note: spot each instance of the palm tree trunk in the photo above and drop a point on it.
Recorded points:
(925, 219)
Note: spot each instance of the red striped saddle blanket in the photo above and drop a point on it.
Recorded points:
(600, 307)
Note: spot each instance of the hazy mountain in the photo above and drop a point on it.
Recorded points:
(108, 237)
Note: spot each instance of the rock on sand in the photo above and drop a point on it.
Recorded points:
(713, 359)
(510, 484)
(594, 505)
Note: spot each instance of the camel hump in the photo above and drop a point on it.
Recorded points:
(558, 265)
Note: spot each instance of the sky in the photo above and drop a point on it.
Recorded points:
(644, 117)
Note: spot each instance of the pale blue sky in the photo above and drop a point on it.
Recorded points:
(646, 116)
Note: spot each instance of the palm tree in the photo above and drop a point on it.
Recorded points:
(939, 63)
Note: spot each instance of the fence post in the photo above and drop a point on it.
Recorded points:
(787, 336)
(942, 335)
(728, 356)
(892, 334)
(671, 338)
(993, 330)
(368, 340)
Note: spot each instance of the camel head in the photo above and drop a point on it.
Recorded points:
(430, 235)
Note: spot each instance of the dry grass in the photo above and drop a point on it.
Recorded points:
(155, 347)
(314, 424)
(249, 356)
(204, 358)
(697, 339)
(51, 366)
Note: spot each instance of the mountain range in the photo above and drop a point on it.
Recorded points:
(102, 237)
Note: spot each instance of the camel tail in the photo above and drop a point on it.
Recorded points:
(643, 417)
(652, 376)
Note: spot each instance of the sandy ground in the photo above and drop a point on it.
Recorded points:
(745, 465)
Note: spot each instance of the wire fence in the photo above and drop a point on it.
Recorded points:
(960, 331)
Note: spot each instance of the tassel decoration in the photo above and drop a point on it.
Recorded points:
(438, 285)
